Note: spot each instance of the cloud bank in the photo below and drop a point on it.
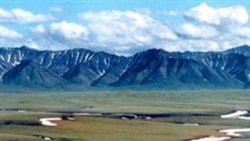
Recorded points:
(218, 16)
(19, 15)
(203, 28)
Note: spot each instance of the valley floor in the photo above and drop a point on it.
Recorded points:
(105, 116)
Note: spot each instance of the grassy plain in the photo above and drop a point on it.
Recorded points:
(107, 129)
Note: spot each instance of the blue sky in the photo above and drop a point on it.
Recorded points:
(125, 26)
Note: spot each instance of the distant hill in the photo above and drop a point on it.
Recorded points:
(153, 68)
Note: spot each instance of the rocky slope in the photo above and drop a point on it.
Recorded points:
(154, 68)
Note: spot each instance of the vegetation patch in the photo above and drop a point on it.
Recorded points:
(65, 139)
(17, 122)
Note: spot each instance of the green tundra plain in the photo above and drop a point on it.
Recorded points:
(17, 109)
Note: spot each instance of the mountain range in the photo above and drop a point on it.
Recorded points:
(153, 68)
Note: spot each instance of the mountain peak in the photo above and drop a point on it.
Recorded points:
(244, 50)
(153, 68)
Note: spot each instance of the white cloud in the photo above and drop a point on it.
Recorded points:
(206, 28)
(9, 33)
(127, 32)
(68, 30)
(38, 29)
(22, 16)
(198, 45)
(129, 29)
(243, 32)
(57, 36)
(5, 15)
(218, 16)
(32, 44)
(198, 31)
(172, 13)
(57, 9)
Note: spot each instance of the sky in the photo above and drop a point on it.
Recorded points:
(125, 27)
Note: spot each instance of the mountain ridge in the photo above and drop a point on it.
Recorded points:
(154, 68)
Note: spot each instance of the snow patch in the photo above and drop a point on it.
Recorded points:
(44, 137)
(234, 115)
(244, 117)
(21, 111)
(1, 57)
(212, 138)
(77, 57)
(235, 132)
(48, 121)
(47, 138)
(223, 67)
(90, 57)
(124, 118)
(248, 76)
(105, 61)
(8, 57)
(15, 63)
(86, 57)
(42, 60)
(81, 58)
(148, 118)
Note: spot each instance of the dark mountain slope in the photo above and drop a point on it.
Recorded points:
(154, 68)
(31, 74)
(244, 50)
(158, 66)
